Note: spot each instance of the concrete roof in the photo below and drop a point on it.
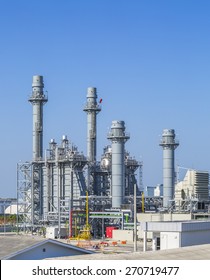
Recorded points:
(10, 244)
(174, 226)
(201, 252)
(13, 245)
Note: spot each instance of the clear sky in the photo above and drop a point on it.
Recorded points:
(148, 59)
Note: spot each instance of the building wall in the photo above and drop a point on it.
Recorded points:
(140, 234)
(169, 240)
(46, 251)
(157, 217)
(177, 234)
(122, 235)
(195, 238)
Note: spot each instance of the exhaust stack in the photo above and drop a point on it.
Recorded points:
(92, 109)
(37, 99)
(118, 138)
(169, 144)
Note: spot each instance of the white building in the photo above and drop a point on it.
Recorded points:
(170, 235)
(194, 188)
(194, 185)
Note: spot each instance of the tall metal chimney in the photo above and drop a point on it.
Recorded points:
(118, 137)
(37, 99)
(169, 144)
(91, 108)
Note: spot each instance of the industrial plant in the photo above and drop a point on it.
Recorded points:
(65, 189)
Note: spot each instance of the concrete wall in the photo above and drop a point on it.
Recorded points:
(122, 235)
(140, 233)
(157, 217)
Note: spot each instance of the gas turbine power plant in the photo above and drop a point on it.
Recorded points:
(62, 187)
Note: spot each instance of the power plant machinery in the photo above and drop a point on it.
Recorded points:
(52, 188)
(61, 186)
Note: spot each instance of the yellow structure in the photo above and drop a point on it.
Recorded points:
(85, 233)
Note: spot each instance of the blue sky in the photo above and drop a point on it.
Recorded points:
(150, 62)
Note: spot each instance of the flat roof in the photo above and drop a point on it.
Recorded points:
(174, 226)
(198, 252)
(13, 243)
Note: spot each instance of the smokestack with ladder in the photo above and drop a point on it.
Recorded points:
(37, 99)
(92, 109)
(169, 144)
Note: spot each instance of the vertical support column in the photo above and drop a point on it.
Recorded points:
(118, 138)
(135, 220)
(169, 144)
(145, 237)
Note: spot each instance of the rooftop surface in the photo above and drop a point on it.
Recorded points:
(201, 252)
(11, 243)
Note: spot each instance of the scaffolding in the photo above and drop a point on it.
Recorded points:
(29, 193)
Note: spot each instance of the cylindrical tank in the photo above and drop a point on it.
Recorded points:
(106, 159)
(169, 144)
(118, 137)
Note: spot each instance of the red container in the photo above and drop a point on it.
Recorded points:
(109, 231)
